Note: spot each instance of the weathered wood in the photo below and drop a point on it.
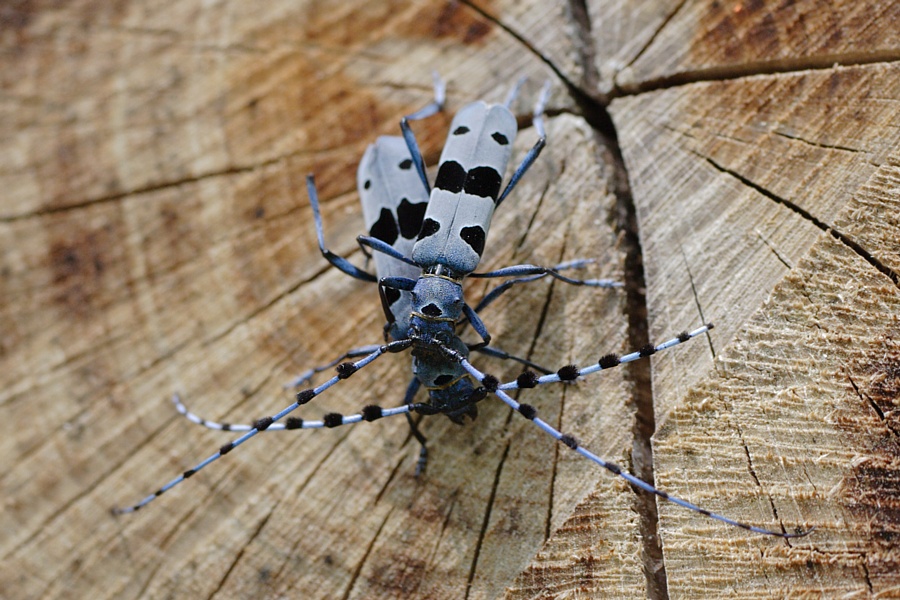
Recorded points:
(156, 237)
(709, 39)
(703, 161)
(799, 316)
(800, 427)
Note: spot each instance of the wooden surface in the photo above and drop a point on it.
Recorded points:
(156, 237)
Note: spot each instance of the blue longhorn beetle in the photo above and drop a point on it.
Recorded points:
(421, 285)
(394, 199)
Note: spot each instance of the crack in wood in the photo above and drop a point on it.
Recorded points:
(147, 189)
(587, 53)
(293, 551)
(562, 400)
(356, 572)
(815, 144)
(164, 185)
(444, 524)
(638, 373)
(774, 251)
(243, 549)
(752, 471)
(652, 38)
(520, 39)
(486, 521)
(865, 567)
(687, 269)
(822, 62)
(874, 406)
(829, 229)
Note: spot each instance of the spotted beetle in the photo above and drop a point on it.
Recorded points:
(421, 290)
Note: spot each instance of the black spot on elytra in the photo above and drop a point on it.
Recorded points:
(429, 227)
(410, 216)
(385, 228)
(367, 184)
(500, 138)
(405, 164)
(474, 237)
(451, 177)
(483, 182)
(461, 130)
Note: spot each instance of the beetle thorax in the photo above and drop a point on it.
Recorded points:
(437, 298)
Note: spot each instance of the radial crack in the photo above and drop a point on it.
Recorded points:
(487, 519)
(829, 229)
(160, 186)
(587, 53)
(777, 254)
(359, 567)
(638, 372)
(243, 549)
(752, 471)
(687, 268)
(719, 73)
(518, 37)
(656, 33)
(816, 144)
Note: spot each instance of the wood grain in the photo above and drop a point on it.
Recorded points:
(156, 237)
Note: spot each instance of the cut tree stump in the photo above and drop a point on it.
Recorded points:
(733, 162)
